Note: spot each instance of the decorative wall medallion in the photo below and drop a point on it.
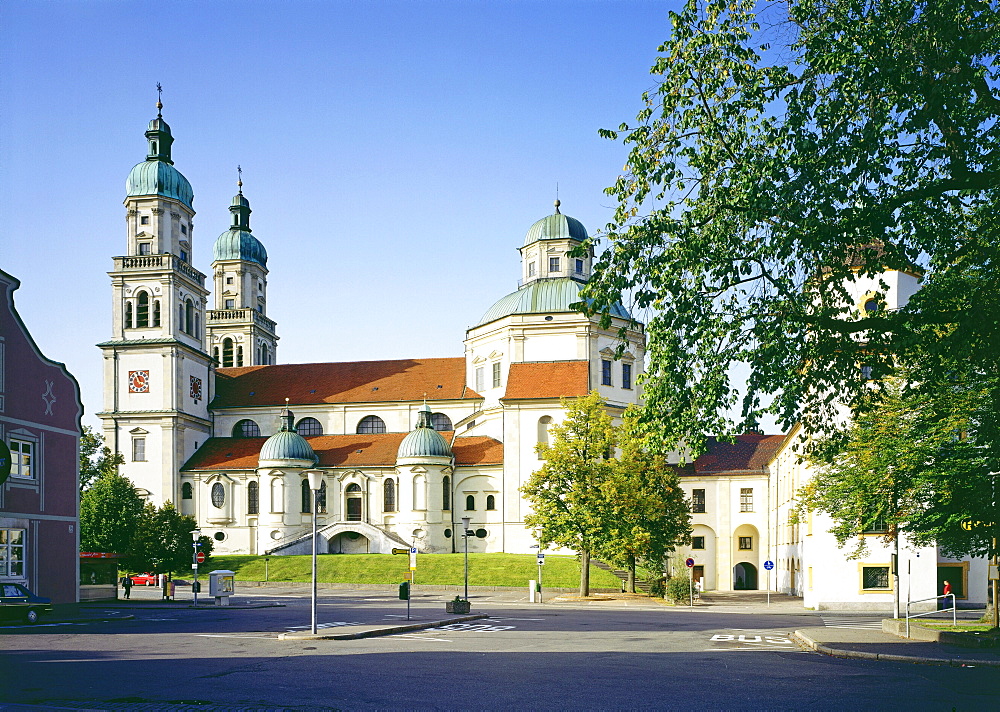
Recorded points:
(138, 381)
(196, 389)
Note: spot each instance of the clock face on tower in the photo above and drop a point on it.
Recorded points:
(195, 388)
(138, 381)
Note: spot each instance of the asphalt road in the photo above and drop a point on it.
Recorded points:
(525, 656)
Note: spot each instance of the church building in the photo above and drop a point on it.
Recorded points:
(207, 417)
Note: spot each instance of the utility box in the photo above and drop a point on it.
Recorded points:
(222, 585)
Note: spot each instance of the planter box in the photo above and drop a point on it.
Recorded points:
(458, 606)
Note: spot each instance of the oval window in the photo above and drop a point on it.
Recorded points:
(218, 495)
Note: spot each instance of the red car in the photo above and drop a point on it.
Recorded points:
(146, 579)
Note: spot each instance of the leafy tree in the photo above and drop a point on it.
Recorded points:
(110, 511)
(787, 150)
(163, 542)
(566, 493)
(647, 513)
(96, 458)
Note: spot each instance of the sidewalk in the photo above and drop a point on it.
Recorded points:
(875, 644)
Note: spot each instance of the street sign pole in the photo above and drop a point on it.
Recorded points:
(541, 562)
(768, 566)
(690, 564)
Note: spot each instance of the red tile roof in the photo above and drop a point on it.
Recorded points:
(339, 451)
(750, 453)
(350, 382)
(548, 379)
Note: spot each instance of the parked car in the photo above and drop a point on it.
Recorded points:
(18, 603)
(146, 579)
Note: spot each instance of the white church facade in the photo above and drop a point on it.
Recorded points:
(208, 418)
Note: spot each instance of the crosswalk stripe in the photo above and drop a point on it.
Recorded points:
(860, 622)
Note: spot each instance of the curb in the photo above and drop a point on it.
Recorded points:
(192, 607)
(804, 640)
(377, 632)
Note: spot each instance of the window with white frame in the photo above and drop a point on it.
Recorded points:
(554, 264)
(698, 501)
(12, 543)
(480, 379)
(496, 374)
(531, 269)
(746, 499)
(22, 456)
(138, 449)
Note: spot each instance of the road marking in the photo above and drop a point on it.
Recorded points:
(495, 618)
(858, 622)
(323, 625)
(754, 650)
(755, 641)
(411, 636)
(215, 635)
(475, 628)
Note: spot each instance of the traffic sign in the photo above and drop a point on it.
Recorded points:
(200, 557)
(400, 551)
(689, 563)
(413, 558)
(768, 565)
(541, 559)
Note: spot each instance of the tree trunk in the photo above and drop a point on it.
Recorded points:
(584, 573)
(631, 574)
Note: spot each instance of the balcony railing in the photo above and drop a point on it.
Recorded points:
(166, 260)
(233, 316)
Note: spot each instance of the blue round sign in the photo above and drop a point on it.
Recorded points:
(768, 565)
(689, 563)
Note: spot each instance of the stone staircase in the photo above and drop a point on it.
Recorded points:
(642, 586)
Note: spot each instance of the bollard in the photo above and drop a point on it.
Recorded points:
(531, 591)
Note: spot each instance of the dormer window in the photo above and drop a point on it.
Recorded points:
(553, 264)
(144, 220)
(145, 248)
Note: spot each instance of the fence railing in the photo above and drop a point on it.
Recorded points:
(953, 609)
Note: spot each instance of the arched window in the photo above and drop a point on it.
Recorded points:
(239, 355)
(371, 424)
(321, 498)
(215, 352)
(354, 502)
(470, 502)
(156, 312)
(419, 492)
(544, 423)
(309, 426)
(253, 498)
(186, 491)
(197, 324)
(128, 314)
(189, 316)
(306, 497)
(491, 502)
(246, 429)
(227, 353)
(142, 309)
(389, 496)
(440, 421)
(446, 493)
(218, 495)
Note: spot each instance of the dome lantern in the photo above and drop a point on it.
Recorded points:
(423, 440)
(286, 448)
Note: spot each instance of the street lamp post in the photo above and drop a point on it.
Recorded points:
(315, 481)
(465, 535)
(195, 533)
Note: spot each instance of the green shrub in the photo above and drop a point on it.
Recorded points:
(679, 587)
(658, 587)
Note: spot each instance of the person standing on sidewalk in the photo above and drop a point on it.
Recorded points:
(127, 585)
(945, 591)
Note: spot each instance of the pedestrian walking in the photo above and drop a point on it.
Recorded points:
(127, 585)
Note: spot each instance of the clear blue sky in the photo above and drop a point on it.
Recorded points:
(394, 153)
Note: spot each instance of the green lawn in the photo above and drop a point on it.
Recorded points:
(960, 628)
(432, 569)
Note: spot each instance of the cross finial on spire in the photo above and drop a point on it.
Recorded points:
(159, 100)
(239, 184)
(557, 203)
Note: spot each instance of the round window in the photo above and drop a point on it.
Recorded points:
(481, 533)
(220, 536)
(447, 533)
(871, 306)
(276, 534)
(218, 495)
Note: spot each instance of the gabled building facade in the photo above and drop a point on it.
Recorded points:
(40, 411)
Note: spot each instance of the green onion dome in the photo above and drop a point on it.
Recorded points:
(238, 243)
(157, 175)
(286, 448)
(556, 227)
(543, 296)
(424, 440)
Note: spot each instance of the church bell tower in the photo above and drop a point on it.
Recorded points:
(157, 375)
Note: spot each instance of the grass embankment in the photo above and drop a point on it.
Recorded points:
(960, 628)
(432, 569)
